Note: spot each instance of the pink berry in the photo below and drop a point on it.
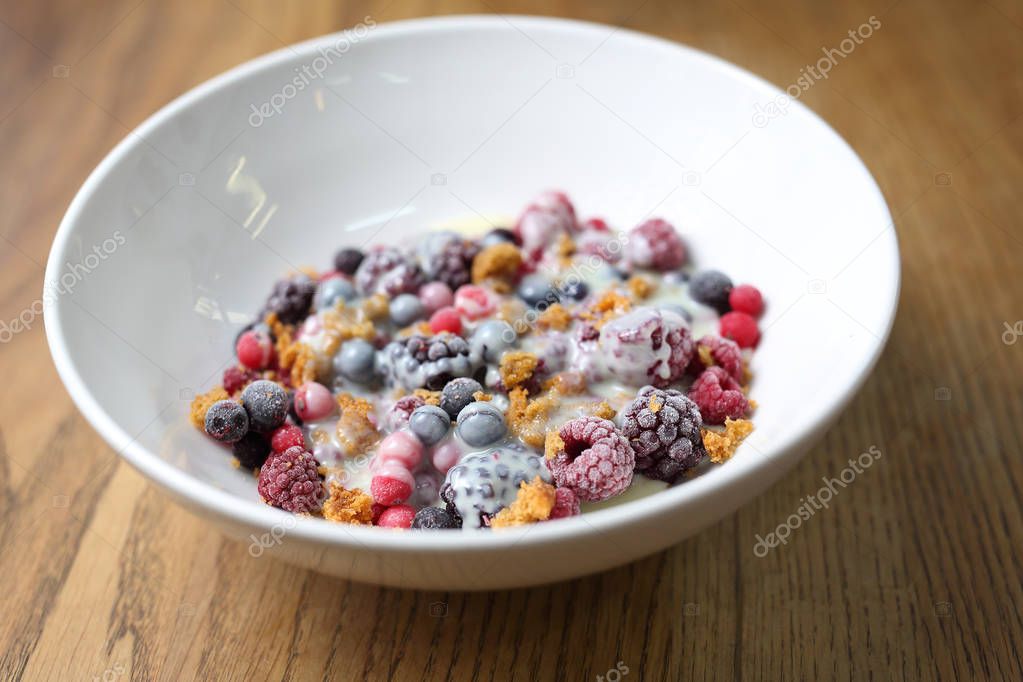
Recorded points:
(436, 295)
(399, 516)
(746, 298)
(596, 462)
(254, 349)
(474, 302)
(313, 401)
(718, 396)
(391, 487)
(403, 447)
(543, 221)
(739, 327)
(655, 244)
(446, 456)
(287, 436)
(446, 319)
(565, 504)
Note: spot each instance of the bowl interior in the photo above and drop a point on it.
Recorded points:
(175, 240)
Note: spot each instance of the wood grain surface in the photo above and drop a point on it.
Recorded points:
(914, 571)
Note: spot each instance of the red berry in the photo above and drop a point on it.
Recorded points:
(655, 244)
(314, 401)
(236, 378)
(446, 319)
(474, 302)
(254, 349)
(399, 516)
(290, 480)
(596, 462)
(565, 504)
(746, 298)
(718, 396)
(741, 328)
(388, 489)
(287, 436)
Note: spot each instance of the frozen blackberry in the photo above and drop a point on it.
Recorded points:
(348, 260)
(291, 299)
(388, 271)
(267, 404)
(435, 518)
(251, 451)
(457, 394)
(711, 287)
(663, 427)
(484, 483)
(451, 261)
(226, 421)
(426, 361)
(647, 346)
(290, 480)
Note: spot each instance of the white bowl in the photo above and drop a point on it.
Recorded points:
(174, 240)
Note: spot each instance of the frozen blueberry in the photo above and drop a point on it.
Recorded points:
(711, 287)
(435, 518)
(457, 394)
(496, 236)
(574, 289)
(333, 290)
(535, 289)
(406, 309)
(430, 424)
(348, 260)
(491, 339)
(267, 405)
(226, 421)
(480, 424)
(355, 361)
(252, 450)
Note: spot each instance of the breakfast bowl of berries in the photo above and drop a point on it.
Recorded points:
(471, 303)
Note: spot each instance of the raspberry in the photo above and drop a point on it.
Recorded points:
(565, 504)
(291, 299)
(254, 349)
(543, 221)
(724, 352)
(446, 319)
(287, 436)
(647, 346)
(399, 414)
(451, 263)
(663, 427)
(289, 480)
(426, 361)
(655, 244)
(599, 241)
(718, 396)
(746, 298)
(740, 327)
(595, 461)
(236, 378)
(386, 270)
(400, 516)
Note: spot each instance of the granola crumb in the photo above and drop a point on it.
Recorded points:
(640, 287)
(356, 429)
(376, 307)
(722, 445)
(553, 444)
(609, 305)
(348, 506)
(421, 328)
(533, 503)
(556, 317)
(655, 403)
(201, 403)
(566, 383)
(604, 410)
(428, 396)
(517, 367)
(482, 396)
(705, 355)
(566, 247)
(528, 418)
(497, 266)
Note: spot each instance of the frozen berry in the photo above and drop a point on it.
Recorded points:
(596, 460)
(356, 360)
(499, 235)
(457, 394)
(491, 339)
(399, 516)
(711, 288)
(251, 451)
(480, 424)
(565, 504)
(333, 290)
(435, 518)
(314, 401)
(597, 239)
(226, 421)
(430, 423)
(254, 349)
(537, 289)
(446, 456)
(426, 362)
(647, 346)
(723, 352)
(287, 436)
(663, 427)
(446, 319)
(290, 480)
(718, 396)
(401, 447)
(739, 327)
(291, 299)
(656, 245)
(401, 412)
(347, 260)
(449, 259)
(746, 298)
(386, 270)
(483, 483)
(391, 485)
(573, 289)
(474, 302)
(406, 309)
(436, 295)
(544, 221)
(236, 377)
(267, 405)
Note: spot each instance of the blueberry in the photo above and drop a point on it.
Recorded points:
(430, 424)
(252, 450)
(435, 518)
(491, 339)
(355, 361)
(535, 289)
(266, 404)
(406, 309)
(711, 288)
(574, 289)
(348, 260)
(333, 290)
(226, 421)
(457, 394)
(480, 424)
(496, 236)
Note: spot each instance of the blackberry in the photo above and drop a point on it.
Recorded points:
(435, 518)
(484, 483)
(663, 427)
(251, 451)
(386, 270)
(291, 299)
(711, 287)
(426, 361)
(451, 262)
(348, 260)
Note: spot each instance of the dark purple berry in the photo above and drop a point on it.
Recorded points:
(711, 287)
(267, 404)
(347, 260)
(226, 421)
(252, 450)
(291, 299)
(435, 518)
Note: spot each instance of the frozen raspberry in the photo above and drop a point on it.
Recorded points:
(596, 239)
(724, 352)
(656, 245)
(254, 349)
(426, 361)
(451, 262)
(386, 270)
(663, 427)
(289, 480)
(291, 299)
(739, 327)
(235, 378)
(446, 319)
(718, 395)
(544, 221)
(285, 437)
(746, 298)
(565, 504)
(647, 346)
(400, 516)
(596, 462)
(397, 417)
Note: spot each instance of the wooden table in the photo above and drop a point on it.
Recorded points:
(913, 572)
